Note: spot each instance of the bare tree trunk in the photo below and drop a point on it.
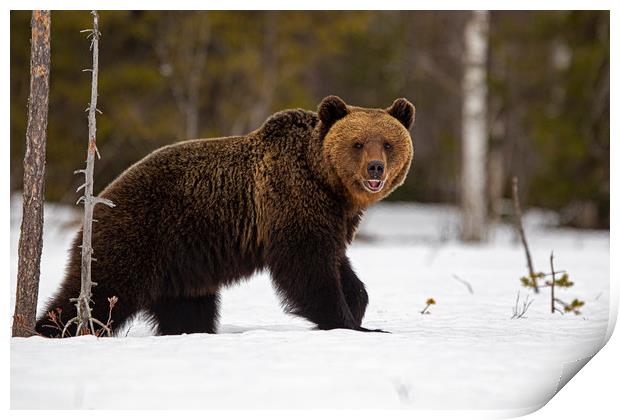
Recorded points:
(84, 319)
(31, 238)
(474, 128)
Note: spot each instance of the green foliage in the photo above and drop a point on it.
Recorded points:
(574, 306)
(532, 281)
(545, 280)
(564, 281)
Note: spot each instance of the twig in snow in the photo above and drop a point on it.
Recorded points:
(466, 283)
(519, 312)
(108, 325)
(403, 391)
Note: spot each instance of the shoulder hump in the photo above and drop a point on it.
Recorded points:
(291, 121)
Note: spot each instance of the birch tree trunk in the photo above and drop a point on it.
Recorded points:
(474, 128)
(31, 237)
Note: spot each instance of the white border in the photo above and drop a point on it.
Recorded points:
(591, 394)
(315, 5)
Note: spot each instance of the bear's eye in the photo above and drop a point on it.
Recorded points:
(387, 146)
(358, 145)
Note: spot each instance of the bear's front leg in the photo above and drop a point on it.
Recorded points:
(354, 291)
(307, 276)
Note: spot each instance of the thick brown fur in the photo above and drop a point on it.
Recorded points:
(199, 215)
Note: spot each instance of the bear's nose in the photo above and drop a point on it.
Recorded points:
(375, 169)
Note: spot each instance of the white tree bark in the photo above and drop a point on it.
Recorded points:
(474, 128)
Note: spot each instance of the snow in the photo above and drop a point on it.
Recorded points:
(467, 353)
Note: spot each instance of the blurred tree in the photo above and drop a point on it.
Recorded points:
(474, 128)
(182, 47)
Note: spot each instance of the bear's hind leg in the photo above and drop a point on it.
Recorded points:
(186, 315)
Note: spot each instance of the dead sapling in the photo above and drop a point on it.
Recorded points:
(108, 325)
(429, 302)
(84, 320)
(537, 280)
(519, 310)
(532, 279)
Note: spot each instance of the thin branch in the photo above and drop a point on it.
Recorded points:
(555, 272)
(99, 200)
(519, 312)
(561, 302)
(466, 283)
(552, 283)
(521, 231)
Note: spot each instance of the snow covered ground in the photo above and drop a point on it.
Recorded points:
(468, 353)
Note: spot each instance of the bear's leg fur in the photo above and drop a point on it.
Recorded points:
(186, 315)
(354, 291)
(307, 276)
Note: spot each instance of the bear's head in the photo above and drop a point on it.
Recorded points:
(367, 151)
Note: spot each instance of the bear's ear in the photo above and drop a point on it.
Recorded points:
(403, 111)
(331, 109)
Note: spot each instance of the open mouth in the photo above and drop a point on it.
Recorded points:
(373, 185)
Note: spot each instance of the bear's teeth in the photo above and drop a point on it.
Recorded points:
(373, 185)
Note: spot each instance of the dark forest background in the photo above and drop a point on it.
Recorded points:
(168, 76)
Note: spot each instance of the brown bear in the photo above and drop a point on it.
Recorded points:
(199, 215)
